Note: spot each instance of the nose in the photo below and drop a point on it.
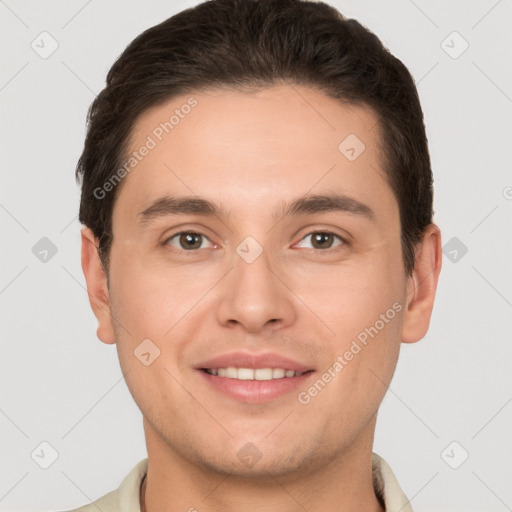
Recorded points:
(255, 297)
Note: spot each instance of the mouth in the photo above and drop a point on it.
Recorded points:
(232, 372)
(255, 385)
(254, 378)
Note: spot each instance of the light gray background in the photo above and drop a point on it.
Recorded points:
(63, 386)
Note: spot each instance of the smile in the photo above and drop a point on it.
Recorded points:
(253, 373)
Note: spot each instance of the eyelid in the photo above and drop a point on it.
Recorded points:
(342, 238)
(168, 237)
(186, 228)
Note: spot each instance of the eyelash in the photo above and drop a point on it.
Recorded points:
(343, 241)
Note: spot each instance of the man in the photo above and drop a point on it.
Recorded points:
(258, 242)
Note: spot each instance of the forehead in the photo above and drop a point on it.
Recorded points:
(248, 147)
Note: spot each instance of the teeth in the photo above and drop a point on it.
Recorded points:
(263, 374)
(278, 373)
(231, 373)
(253, 374)
(243, 374)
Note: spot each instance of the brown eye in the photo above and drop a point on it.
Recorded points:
(186, 240)
(322, 240)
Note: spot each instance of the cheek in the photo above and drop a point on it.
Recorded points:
(160, 303)
(360, 358)
(152, 298)
(351, 297)
(370, 331)
(363, 306)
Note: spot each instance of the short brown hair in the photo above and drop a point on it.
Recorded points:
(250, 44)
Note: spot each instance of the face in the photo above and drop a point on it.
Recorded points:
(257, 239)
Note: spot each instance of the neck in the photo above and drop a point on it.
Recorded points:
(175, 484)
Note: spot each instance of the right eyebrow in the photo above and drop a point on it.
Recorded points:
(187, 205)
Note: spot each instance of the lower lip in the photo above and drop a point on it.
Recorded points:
(255, 391)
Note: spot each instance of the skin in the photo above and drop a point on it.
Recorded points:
(250, 152)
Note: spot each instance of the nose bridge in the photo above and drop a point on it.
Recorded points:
(254, 296)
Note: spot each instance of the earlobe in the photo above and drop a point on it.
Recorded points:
(422, 286)
(97, 288)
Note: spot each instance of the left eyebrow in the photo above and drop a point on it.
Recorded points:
(306, 205)
(314, 204)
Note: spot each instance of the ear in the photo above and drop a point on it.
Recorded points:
(422, 285)
(97, 288)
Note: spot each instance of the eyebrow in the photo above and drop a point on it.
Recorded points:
(306, 205)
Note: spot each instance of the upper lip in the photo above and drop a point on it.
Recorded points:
(247, 360)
